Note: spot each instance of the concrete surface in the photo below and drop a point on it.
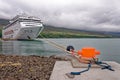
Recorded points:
(75, 61)
(63, 67)
(76, 64)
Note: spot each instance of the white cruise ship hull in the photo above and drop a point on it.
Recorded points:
(22, 30)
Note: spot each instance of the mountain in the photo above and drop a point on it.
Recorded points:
(54, 31)
(114, 34)
(60, 32)
(4, 22)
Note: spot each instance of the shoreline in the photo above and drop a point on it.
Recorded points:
(17, 67)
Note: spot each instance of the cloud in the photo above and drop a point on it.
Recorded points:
(78, 14)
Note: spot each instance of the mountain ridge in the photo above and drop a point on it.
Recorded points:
(49, 28)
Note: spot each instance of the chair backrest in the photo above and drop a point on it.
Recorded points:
(88, 52)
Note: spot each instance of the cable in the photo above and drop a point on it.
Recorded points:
(56, 45)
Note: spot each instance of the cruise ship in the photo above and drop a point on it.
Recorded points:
(22, 27)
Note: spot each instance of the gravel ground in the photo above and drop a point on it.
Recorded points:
(14, 67)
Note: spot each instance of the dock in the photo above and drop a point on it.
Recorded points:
(95, 73)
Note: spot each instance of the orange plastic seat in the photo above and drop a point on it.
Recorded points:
(88, 52)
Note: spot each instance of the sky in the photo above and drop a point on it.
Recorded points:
(98, 15)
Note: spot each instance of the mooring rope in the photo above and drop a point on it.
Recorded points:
(54, 43)
(61, 47)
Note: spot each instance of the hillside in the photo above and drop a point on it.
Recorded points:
(59, 32)
(55, 32)
(3, 22)
(0, 32)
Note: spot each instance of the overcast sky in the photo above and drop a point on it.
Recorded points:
(78, 14)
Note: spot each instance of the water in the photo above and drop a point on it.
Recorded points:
(109, 48)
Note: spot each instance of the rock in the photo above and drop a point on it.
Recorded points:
(32, 67)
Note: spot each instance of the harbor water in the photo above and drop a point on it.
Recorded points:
(109, 47)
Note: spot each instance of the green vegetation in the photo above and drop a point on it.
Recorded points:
(4, 21)
(0, 32)
(53, 32)
(58, 32)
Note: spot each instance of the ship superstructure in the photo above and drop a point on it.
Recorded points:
(23, 27)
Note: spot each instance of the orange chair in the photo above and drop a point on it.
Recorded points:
(88, 52)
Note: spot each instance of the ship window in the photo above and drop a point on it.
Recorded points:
(11, 36)
(28, 31)
(29, 20)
